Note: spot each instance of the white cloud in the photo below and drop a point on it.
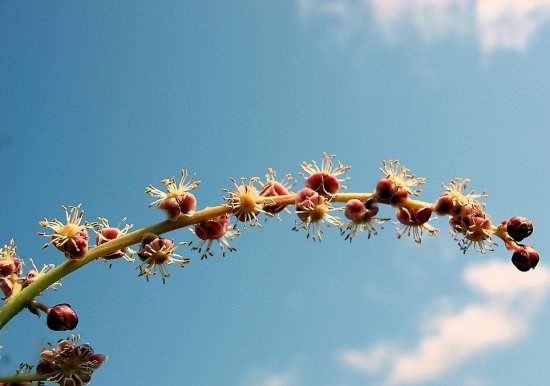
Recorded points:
(509, 301)
(262, 377)
(496, 24)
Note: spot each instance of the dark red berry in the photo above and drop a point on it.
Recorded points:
(444, 204)
(372, 207)
(385, 188)
(519, 228)
(355, 210)
(526, 258)
(62, 318)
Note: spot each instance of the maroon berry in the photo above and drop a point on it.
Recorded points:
(385, 188)
(519, 228)
(413, 216)
(187, 203)
(9, 266)
(444, 204)
(271, 189)
(399, 196)
(526, 258)
(355, 210)
(371, 205)
(62, 318)
(323, 183)
(212, 229)
(77, 246)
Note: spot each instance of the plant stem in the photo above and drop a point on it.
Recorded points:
(22, 299)
(14, 378)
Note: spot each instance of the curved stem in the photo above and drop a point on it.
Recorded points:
(22, 299)
(15, 378)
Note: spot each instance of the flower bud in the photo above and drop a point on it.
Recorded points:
(62, 318)
(385, 188)
(526, 258)
(519, 228)
(323, 183)
(444, 204)
(355, 210)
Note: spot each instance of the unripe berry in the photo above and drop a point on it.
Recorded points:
(62, 318)
(519, 228)
(526, 258)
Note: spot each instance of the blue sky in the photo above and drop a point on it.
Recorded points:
(100, 99)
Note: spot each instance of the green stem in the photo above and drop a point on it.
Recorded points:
(22, 299)
(14, 378)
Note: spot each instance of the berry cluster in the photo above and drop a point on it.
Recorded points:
(318, 203)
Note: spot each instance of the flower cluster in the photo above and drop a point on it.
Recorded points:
(176, 200)
(315, 205)
(470, 224)
(70, 237)
(69, 364)
(216, 229)
(156, 254)
(361, 216)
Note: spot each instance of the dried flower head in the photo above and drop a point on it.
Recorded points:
(70, 237)
(324, 179)
(156, 254)
(176, 200)
(215, 229)
(313, 209)
(69, 364)
(105, 233)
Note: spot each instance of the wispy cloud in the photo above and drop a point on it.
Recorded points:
(495, 24)
(508, 302)
(282, 377)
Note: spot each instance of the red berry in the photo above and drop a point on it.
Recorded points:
(62, 318)
(399, 196)
(355, 210)
(519, 228)
(372, 207)
(323, 183)
(385, 188)
(444, 204)
(526, 258)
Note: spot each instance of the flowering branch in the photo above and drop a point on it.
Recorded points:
(249, 199)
